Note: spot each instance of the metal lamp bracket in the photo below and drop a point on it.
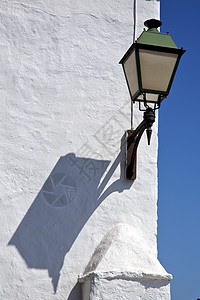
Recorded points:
(133, 139)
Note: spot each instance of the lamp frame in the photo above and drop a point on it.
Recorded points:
(137, 46)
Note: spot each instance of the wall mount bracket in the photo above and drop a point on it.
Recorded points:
(133, 139)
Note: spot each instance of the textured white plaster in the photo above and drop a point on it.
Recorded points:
(123, 265)
(124, 249)
(64, 109)
(146, 9)
(128, 289)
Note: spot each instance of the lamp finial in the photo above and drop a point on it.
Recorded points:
(152, 23)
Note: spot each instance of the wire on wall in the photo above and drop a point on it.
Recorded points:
(134, 31)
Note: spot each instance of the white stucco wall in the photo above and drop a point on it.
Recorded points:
(124, 266)
(128, 289)
(64, 109)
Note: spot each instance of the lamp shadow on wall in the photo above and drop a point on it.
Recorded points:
(70, 195)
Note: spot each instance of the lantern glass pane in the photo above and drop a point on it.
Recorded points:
(156, 69)
(149, 98)
(130, 69)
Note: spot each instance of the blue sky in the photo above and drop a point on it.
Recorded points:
(179, 155)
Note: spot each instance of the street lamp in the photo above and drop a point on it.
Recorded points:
(149, 67)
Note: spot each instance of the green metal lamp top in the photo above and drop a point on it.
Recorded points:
(153, 37)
